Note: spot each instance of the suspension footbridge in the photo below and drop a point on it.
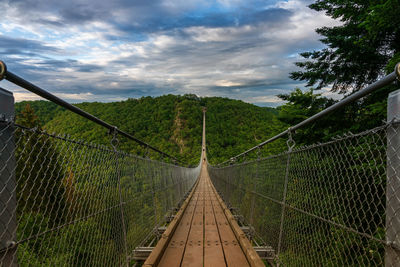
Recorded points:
(204, 232)
(68, 202)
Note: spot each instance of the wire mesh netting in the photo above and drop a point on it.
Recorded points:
(65, 202)
(323, 205)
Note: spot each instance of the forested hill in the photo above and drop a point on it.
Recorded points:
(171, 123)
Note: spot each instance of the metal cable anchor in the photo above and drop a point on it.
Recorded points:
(290, 142)
(258, 153)
(397, 71)
(114, 141)
(3, 70)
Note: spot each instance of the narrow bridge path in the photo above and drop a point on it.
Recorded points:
(203, 232)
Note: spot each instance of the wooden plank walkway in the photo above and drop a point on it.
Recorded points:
(203, 232)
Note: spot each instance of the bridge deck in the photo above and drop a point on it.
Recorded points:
(203, 232)
(203, 235)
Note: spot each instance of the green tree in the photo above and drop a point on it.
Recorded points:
(302, 105)
(44, 110)
(358, 51)
(39, 185)
(355, 117)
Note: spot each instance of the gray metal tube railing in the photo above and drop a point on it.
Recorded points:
(367, 90)
(11, 77)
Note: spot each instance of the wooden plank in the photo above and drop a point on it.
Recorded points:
(158, 251)
(213, 253)
(253, 258)
(234, 255)
(193, 255)
(174, 252)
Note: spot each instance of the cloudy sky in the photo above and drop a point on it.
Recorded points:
(102, 50)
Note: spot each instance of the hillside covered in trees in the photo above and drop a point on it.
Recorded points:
(170, 123)
(173, 123)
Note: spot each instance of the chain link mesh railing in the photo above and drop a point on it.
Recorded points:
(66, 202)
(328, 204)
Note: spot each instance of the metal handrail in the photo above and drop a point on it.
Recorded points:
(11, 77)
(388, 79)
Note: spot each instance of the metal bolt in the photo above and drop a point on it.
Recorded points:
(3, 70)
(10, 244)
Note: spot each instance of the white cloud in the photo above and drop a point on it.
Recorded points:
(264, 99)
(20, 96)
(243, 61)
(79, 97)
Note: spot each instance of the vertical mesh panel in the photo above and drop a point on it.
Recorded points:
(334, 211)
(81, 204)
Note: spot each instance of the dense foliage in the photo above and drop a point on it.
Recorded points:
(363, 47)
(361, 115)
(71, 195)
(43, 110)
(170, 123)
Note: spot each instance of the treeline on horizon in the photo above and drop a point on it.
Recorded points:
(173, 123)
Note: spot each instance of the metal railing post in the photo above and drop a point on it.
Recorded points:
(392, 252)
(253, 198)
(153, 193)
(118, 170)
(8, 198)
(290, 143)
